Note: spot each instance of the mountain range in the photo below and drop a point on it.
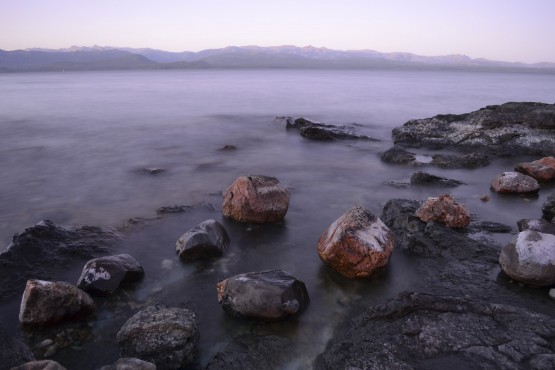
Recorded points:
(112, 58)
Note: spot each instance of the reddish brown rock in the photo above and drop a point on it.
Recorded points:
(514, 182)
(257, 199)
(542, 169)
(444, 209)
(357, 245)
(46, 302)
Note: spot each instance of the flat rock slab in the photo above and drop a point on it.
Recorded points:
(267, 295)
(506, 129)
(542, 170)
(399, 155)
(256, 199)
(424, 178)
(420, 331)
(102, 276)
(254, 352)
(41, 251)
(514, 183)
(324, 132)
(357, 245)
(206, 240)
(46, 303)
(530, 258)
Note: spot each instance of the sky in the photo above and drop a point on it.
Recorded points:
(508, 30)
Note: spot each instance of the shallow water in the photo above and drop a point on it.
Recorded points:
(72, 146)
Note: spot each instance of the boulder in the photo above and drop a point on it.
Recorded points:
(205, 240)
(46, 302)
(254, 352)
(506, 129)
(13, 352)
(40, 365)
(267, 295)
(102, 276)
(472, 160)
(166, 336)
(444, 209)
(542, 169)
(541, 226)
(256, 199)
(424, 178)
(129, 363)
(548, 208)
(530, 259)
(425, 331)
(323, 132)
(514, 182)
(397, 155)
(43, 250)
(357, 245)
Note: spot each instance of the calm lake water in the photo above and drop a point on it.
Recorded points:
(72, 146)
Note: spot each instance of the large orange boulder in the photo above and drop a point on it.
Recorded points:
(256, 199)
(444, 209)
(542, 169)
(357, 245)
(514, 182)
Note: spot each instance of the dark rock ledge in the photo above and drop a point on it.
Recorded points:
(324, 132)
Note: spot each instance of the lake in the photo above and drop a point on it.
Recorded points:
(73, 147)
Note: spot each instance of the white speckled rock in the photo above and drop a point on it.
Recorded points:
(102, 276)
(514, 182)
(530, 259)
(358, 244)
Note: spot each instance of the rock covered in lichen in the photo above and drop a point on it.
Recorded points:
(514, 182)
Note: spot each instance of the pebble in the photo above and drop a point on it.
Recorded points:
(51, 351)
(167, 264)
(552, 293)
(484, 198)
(44, 343)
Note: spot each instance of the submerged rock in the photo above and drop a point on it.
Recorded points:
(472, 160)
(508, 129)
(13, 352)
(45, 303)
(323, 132)
(205, 240)
(397, 155)
(102, 276)
(166, 336)
(542, 169)
(422, 331)
(228, 148)
(254, 352)
(444, 209)
(43, 250)
(267, 295)
(530, 259)
(257, 199)
(514, 182)
(540, 225)
(424, 178)
(548, 208)
(129, 363)
(40, 365)
(358, 244)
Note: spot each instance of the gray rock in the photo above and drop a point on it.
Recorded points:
(324, 132)
(177, 208)
(129, 363)
(228, 148)
(13, 352)
(530, 258)
(540, 225)
(514, 182)
(472, 160)
(421, 331)
(43, 250)
(40, 365)
(267, 295)
(548, 208)
(166, 336)
(397, 155)
(489, 226)
(205, 240)
(102, 276)
(508, 129)
(254, 352)
(45, 303)
(424, 178)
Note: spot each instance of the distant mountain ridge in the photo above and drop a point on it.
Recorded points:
(288, 56)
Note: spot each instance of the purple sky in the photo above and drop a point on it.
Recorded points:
(510, 30)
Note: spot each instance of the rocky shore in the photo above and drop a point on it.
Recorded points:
(463, 312)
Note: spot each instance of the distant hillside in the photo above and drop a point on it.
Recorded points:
(110, 58)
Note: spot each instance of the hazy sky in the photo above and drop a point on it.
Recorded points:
(511, 30)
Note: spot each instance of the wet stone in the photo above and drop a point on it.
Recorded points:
(206, 240)
(102, 276)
